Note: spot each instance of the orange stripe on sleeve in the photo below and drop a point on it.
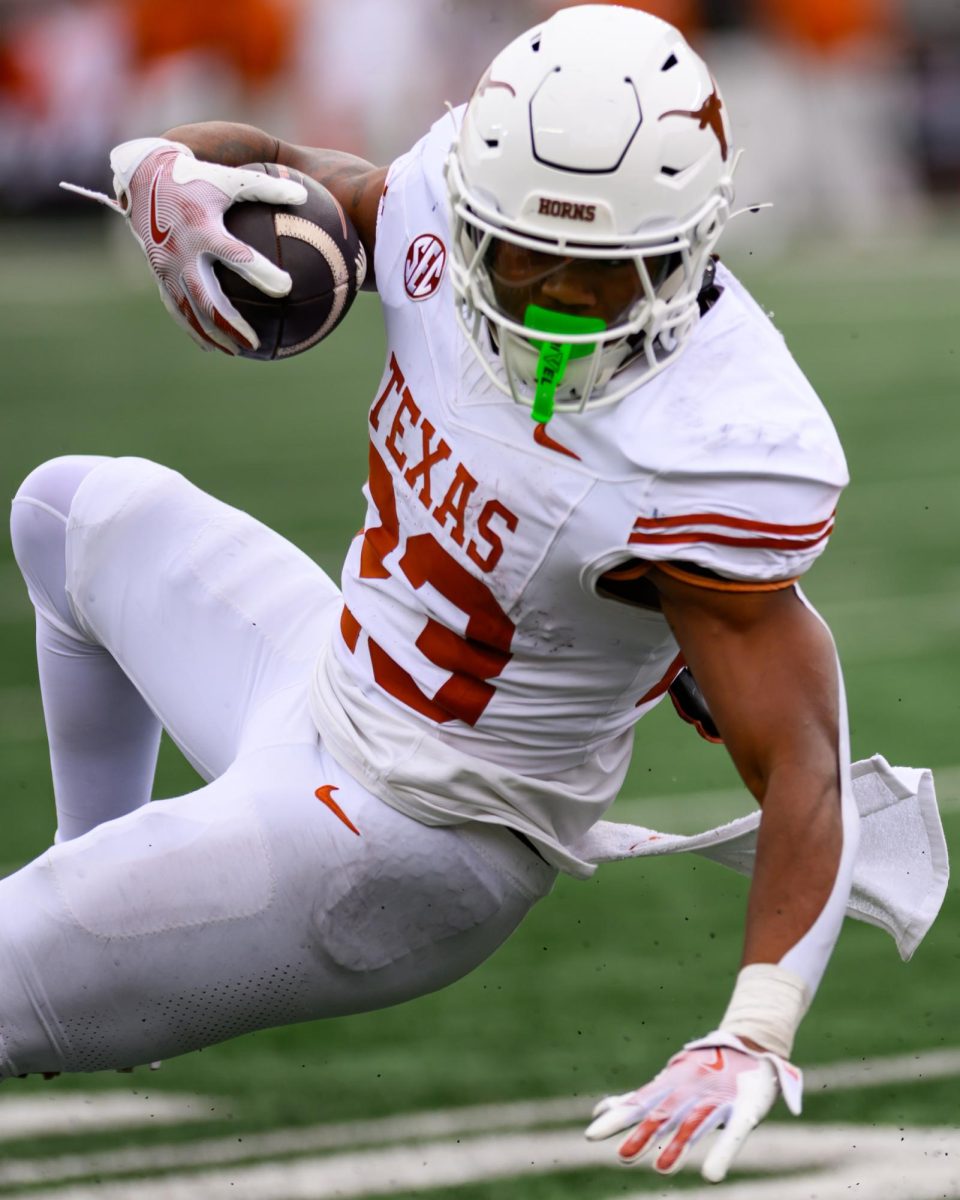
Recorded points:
(728, 522)
(722, 539)
(636, 570)
(723, 585)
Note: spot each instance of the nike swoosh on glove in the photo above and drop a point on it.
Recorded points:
(714, 1082)
(174, 204)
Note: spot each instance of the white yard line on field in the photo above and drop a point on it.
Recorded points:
(919, 1067)
(82, 1112)
(897, 1164)
(891, 628)
(523, 1114)
(692, 812)
(453, 1125)
(836, 1162)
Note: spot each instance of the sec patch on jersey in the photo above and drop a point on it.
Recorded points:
(317, 244)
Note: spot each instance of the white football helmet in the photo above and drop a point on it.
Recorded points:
(599, 135)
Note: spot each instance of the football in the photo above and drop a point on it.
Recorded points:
(317, 244)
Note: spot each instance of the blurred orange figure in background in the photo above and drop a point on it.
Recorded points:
(254, 37)
(685, 14)
(827, 26)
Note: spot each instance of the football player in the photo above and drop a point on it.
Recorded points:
(592, 460)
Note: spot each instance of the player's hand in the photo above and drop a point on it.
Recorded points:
(715, 1082)
(175, 205)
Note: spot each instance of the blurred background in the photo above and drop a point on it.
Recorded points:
(849, 109)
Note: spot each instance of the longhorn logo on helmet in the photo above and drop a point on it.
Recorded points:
(709, 113)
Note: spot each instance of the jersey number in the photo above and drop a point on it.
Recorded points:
(472, 660)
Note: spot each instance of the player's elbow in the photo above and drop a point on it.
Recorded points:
(810, 783)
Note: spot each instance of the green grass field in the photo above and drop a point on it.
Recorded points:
(607, 977)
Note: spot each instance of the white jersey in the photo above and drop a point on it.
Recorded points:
(478, 672)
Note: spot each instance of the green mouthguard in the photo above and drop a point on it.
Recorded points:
(554, 356)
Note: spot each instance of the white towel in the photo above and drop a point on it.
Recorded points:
(902, 867)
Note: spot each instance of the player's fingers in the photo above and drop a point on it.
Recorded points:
(183, 314)
(217, 315)
(258, 271)
(270, 189)
(200, 329)
(727, 1146)
(688, 1133)
(232, 325)
(253, 266)
(604, 1105)
(643, 1137)
(756, 1092)
(207, 331)
(616, 1113)
(612, 1120)
(238, 183)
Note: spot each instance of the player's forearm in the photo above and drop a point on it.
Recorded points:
(805, 856)
(769, 672)
(235, 145)
(227, 142)
(798, 854)
(356, 183)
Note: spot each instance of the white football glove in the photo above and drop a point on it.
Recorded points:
(174, 204)
(714, 1082)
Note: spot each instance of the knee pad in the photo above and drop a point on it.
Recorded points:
(38, 525)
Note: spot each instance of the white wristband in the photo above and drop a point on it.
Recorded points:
(767, 1006)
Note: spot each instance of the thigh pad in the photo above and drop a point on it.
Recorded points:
(164, 867)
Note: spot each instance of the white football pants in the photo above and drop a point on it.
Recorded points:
(282, 890)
